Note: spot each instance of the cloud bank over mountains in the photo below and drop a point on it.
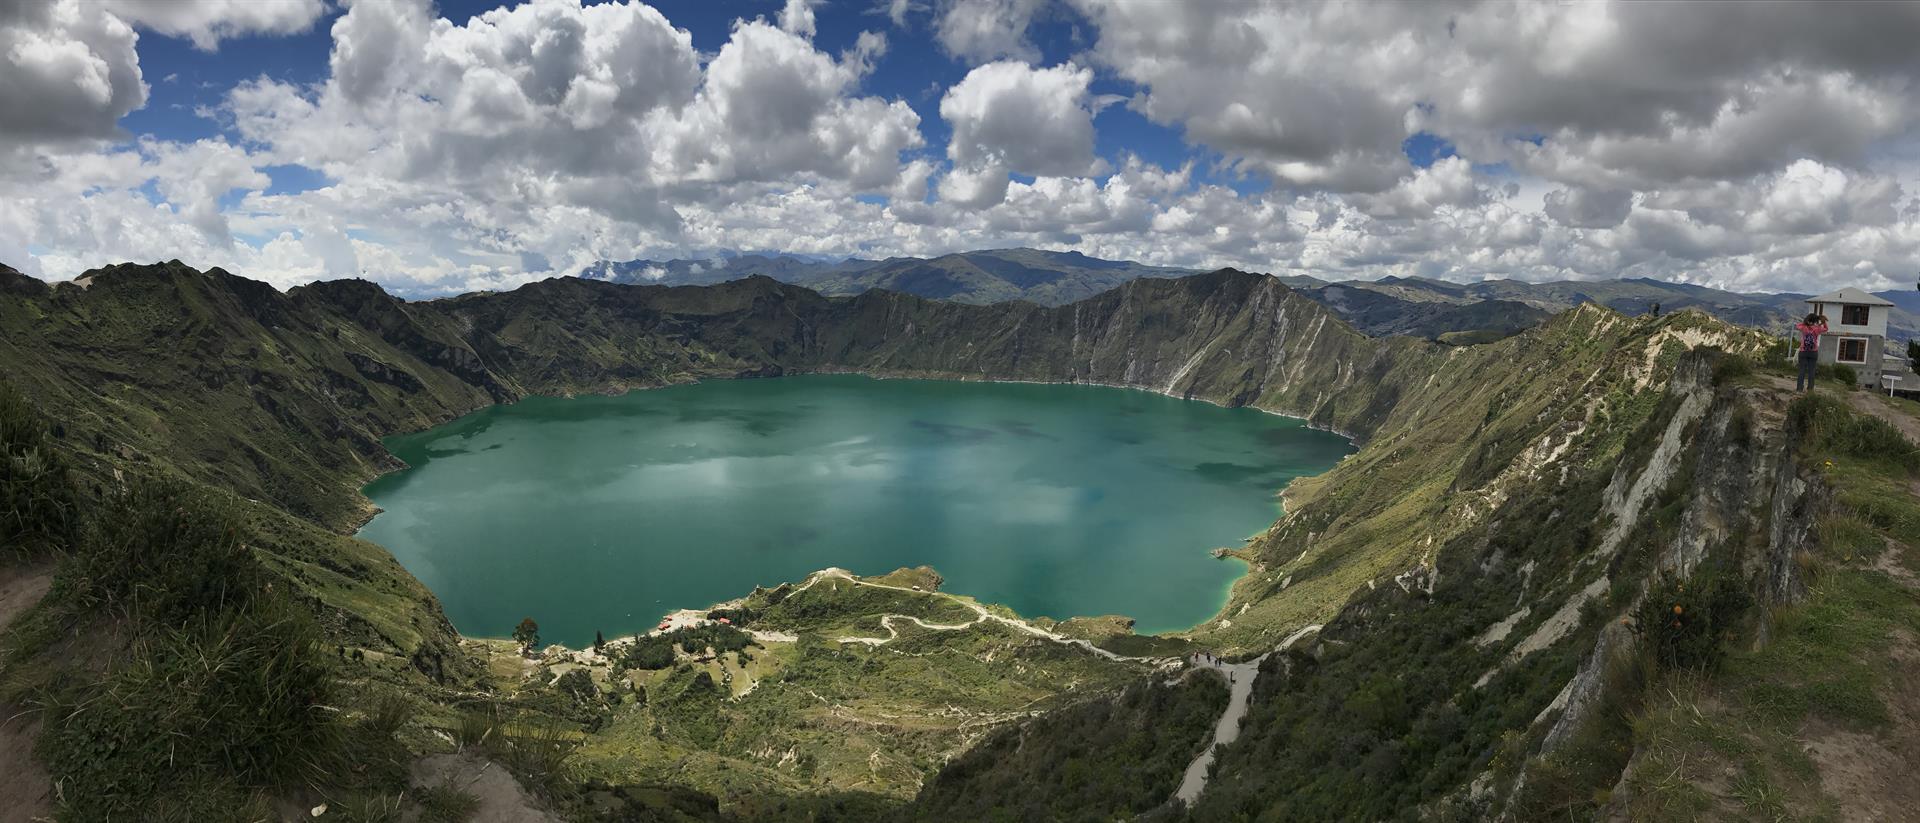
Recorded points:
(1763, 146)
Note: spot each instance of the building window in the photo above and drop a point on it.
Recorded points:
(1853, 350)
(1853, 315)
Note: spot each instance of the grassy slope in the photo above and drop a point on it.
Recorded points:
(316, 374)
(845, 723)
(1736, 711)
(1456, 444)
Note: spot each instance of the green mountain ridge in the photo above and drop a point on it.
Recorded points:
(1391, 306)
(991, 276)
(1511, 500)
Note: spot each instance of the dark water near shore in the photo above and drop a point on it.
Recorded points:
(603, 513)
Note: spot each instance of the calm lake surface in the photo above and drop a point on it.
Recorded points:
(604, 513)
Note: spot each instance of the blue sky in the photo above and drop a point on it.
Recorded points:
(1752, 146)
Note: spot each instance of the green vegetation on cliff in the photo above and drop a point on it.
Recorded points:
(1823, 697)
(1468, 566)
(171, 679)
(1093, 761)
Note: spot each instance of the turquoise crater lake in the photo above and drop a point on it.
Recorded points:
(604, 513)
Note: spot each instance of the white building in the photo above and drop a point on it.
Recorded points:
(1856, 331)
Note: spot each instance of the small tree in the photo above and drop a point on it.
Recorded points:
(599, 643)
(527, 634)
(1913, 355)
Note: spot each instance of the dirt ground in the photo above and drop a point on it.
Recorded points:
(502, 800)
(24, 785)
(21, 587)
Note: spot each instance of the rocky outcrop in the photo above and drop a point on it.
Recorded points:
(1746, 501)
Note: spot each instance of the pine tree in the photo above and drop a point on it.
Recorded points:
(599, 643)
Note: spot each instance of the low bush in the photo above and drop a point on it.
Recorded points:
(38, 512)
(163, 551)
(1840, 373)
(721, 639)
(1730, 367)
(1684, 624)
(655, 652)
(1825, 426)
(203, 715)
(651, 653)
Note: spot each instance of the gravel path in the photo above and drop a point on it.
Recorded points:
(1240, 686)
(1240, 678)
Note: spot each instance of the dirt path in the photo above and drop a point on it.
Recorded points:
(501, 797)
(24, 784)
(1901, 414)
(1240, 677)
(21, 587)
(886, 620)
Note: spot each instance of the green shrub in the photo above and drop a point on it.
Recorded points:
(37, 508)
(1683, 624)
(203, 716)
(1827, 427)
(655, 652)
(1730, 367)
(163, 551)
(738, 617)
(1840, 373)
(651, 653)
(446, 804)
(721, 639)
(577, 684)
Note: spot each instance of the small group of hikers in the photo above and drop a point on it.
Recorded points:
(1202, 658)
(1810, 330)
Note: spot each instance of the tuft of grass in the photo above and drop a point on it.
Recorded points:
(1826, 428)
(445, 804)
(231, 705)
(199, 688)
(539, 750)
(162, 552)
(369, 808)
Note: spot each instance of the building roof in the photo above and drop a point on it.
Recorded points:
(1850, 295)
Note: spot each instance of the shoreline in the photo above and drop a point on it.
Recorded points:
(396, 465)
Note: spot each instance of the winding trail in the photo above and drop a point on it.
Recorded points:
(1240, 687)
(981, 612)
(1240, 677)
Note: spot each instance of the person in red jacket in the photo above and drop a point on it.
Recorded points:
(1810, 330)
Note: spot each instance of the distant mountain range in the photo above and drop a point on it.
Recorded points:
(1392, 306)
(1049, 278)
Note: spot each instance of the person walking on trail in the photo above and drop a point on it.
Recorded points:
(1810, 330)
